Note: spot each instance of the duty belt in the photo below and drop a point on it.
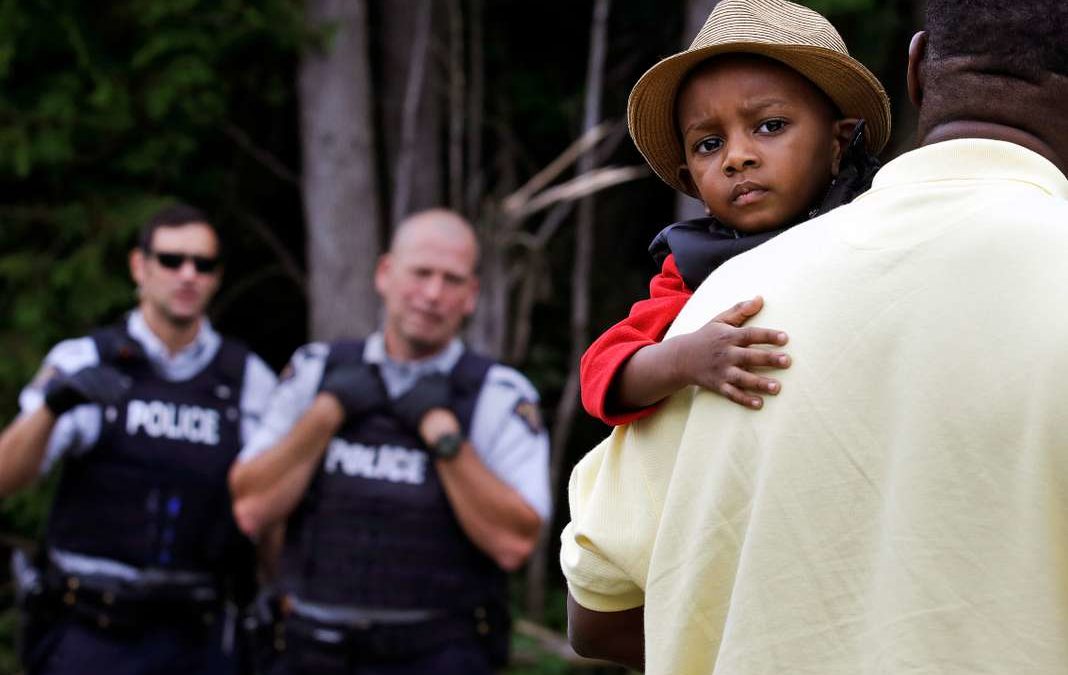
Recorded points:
(130, 603)
(358, 617)
(354, 635)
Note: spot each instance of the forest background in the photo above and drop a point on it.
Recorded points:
(307, 130)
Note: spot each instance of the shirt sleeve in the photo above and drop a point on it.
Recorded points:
(78, 429)
(256, 392)
(602, 555)
(510, 438)
(616, 495)
(288, 400)
(646, 324)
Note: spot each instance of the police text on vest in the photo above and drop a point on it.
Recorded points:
(385, 462)
(168, 420)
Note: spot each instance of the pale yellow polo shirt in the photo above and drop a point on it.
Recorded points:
(902, 506)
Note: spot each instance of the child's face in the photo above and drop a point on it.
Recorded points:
(762, 143)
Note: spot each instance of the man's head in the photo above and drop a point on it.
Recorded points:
(761, 142)
(176, 265)
(794, 36)
(428, 283)
(994, 69)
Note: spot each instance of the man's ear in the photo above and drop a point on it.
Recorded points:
(472, 301)
(382, 273)
(842, 133)
(917, 52)
(137, 265)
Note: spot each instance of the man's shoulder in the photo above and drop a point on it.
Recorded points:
(258, 375)
(68, 356)
(312, 351)
(775, 264)
(1040, 213)
(506, 381)
(73, 354)
(498, 373)
(308, 356)
(342, 350)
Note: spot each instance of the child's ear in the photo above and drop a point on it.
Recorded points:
(686, 179)
(842, 133)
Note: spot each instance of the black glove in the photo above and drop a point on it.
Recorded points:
(429, 392)
(95, 384)
(357, 387)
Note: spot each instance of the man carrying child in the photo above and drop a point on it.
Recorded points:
(899, 507)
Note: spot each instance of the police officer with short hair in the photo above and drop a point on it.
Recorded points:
(410, 472)
(141, 553)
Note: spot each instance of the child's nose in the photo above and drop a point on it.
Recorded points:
(739, 157)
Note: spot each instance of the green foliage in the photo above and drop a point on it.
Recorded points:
(8, 626)
(529, 660)
(107, 112)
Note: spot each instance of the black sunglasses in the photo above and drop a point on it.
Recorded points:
(174, 261)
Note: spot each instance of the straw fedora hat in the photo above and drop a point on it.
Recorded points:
(797, 36)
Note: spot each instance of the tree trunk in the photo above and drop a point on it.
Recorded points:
(580, 300)
(487, 331)
(697, 12)
(475, 180)
(338, 178)
(409, 107)
(488, 327)
(457, 79)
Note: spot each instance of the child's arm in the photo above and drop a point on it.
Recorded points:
(717, 357)
(646, 325)
(627, 370)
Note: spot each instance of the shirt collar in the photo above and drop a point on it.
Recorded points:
(973, 159)
(206, 340)
(374, 351)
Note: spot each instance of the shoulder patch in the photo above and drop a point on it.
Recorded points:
(530, 414)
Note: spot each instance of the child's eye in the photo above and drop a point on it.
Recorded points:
(771, 126)
(707, 145)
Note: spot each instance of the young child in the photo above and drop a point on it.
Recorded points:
(769, 122)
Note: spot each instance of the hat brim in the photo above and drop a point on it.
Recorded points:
(651, 107)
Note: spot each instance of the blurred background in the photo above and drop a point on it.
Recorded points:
(307, 130)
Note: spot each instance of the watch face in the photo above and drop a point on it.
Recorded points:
(448, 446)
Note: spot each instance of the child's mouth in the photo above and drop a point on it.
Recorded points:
(747, 193)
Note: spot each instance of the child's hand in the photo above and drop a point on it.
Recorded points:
(718, 356)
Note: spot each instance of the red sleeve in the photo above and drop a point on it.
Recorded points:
(648, 321)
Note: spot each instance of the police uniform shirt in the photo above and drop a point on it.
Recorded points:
(78, 430)
(506, 430)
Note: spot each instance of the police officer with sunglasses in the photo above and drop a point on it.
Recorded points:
(141, 561)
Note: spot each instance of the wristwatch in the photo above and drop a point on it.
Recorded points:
(447, 446)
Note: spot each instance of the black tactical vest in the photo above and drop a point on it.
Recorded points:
(375, 529)
(153, 490)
